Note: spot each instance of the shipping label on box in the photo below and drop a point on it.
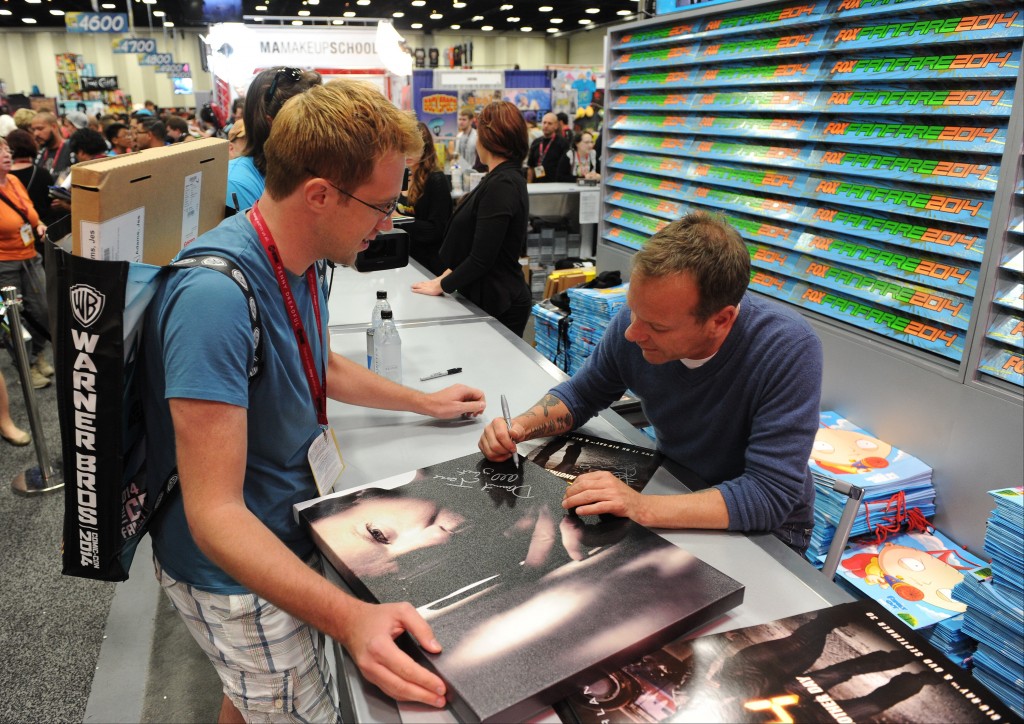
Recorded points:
(148, 206)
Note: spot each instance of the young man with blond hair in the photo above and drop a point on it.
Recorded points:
(731, 382)
(242, 573)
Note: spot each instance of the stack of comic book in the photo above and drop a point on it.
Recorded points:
(592, 311)
(550, 335)
(910, 574)
(995, 607)
(894, 481)
(948, 637)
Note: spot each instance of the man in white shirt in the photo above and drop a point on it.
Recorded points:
(465, 142)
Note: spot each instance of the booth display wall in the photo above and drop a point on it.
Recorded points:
(673, 92)
(27, 59)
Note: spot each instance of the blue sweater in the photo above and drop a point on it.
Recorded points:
(744, 421)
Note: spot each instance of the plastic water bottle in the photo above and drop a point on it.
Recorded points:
(458, 179)
(387, 354)
(380, 306)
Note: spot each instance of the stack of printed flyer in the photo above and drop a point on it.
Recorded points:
(995, 607)
(550, 333)
(523, 595)
(845, 452)
(912, 575)
(850, 663)
(592, 310)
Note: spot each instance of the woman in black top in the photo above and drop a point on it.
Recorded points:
(488, 229)
(580, 161)
(429, 201)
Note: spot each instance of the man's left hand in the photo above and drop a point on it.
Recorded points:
(455, 401)
(601, 492)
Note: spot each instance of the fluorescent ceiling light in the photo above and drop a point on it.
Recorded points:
(261, 8)
(33, 2)
(505, 7)
(512, 19)
(418, 3)
(54, 11)
(362, 2)
(168, 24)
(296, 22)
(456, 27)
(525, 29)
(593, 11)
(337, 21)
(30, 21)
(398, 14)
(553, 30)
(458, 4)
(436, 15)
(545, 9)
(156, 13)
(624, 12)
(477, 18)
(487, 28)
(555, 21)
(4, 11)
(303, 13)
(108, 6)
(586, 21)
(312, 2)
(416, 26)
(349, 14)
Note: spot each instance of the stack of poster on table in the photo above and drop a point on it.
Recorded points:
(572, 455)
(850, 663)
(894, 481)
(550, 333)
(911, 575)
(995, 607)
(592, 310)
(522, 595)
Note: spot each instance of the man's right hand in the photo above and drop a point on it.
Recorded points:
(496, 443)
(370, 640)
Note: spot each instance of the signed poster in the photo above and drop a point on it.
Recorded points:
(524, 597)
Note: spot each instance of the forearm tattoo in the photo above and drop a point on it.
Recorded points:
(551, 424)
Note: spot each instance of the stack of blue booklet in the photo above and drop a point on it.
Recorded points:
(548, 324)
(592, 310)
(995, 607)
(894, 481)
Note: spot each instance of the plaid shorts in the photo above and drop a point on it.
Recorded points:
(272, 665)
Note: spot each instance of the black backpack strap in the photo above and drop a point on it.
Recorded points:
(231, 270)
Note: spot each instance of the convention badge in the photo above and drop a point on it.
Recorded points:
(27, 237)
(326, 461)
(539, 171)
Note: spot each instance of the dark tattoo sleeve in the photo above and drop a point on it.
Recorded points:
(547, 422)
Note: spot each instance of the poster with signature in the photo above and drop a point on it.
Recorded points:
(524, 596)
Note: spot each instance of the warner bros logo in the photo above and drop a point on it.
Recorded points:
(86, 304)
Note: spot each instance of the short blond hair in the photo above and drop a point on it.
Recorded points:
(339, 132)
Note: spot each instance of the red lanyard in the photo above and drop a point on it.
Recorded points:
(543, 149)
(317, 389)
(56, 153)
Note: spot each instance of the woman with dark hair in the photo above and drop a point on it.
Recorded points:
(267, 93)
(34, 178)
(580, 162)
(429, 202)
(487, 232)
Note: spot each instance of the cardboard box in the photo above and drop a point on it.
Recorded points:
(147, 206)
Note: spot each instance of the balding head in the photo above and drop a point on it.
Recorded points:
(549, 124)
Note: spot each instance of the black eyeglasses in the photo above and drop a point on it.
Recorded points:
(293, 74)
(384, 210)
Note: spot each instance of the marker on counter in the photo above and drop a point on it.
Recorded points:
(443, 373)
(508, 423)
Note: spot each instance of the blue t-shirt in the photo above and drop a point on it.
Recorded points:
(245, 183)
(745, 421)
(198, 345)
